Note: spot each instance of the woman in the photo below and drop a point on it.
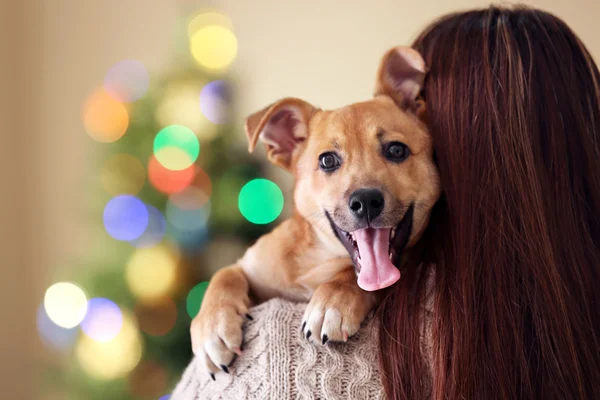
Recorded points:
(512, 311)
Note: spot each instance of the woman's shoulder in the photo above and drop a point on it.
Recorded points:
(278, 362)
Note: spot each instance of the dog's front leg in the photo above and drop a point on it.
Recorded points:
(337, 308)
(217, 329)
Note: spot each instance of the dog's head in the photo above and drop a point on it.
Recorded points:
(367, 168)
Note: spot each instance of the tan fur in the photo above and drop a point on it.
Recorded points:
(302, 259)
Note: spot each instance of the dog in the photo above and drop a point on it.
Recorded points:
(366, 182)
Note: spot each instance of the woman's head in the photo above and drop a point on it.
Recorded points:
(513, 100)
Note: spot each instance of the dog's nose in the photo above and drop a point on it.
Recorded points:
(366, 203)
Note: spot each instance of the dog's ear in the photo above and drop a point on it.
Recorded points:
(401, 76)
(283, 127)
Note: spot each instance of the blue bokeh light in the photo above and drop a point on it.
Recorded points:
(155, 230)
(103, 320)
(54, 336)
(125, 217)
(215, 99)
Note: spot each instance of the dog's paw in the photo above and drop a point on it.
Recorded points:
(335, 312)
(217, 336)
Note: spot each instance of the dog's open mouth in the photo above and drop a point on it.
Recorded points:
(376, 252)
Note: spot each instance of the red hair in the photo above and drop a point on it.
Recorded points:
(513, 100)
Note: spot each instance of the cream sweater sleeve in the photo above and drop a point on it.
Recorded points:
(279, 363)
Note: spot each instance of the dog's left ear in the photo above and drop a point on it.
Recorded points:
(283, 127)
(401, 76)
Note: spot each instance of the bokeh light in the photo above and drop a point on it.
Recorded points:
(103, 320)
(151, 272)
(54, 336)
(194, 299)
(65, 304)
(169, 181)
(179, 106)
(203, 182)
(215, 99)
(123, 174)
(208, 18)
(112, 359)
(260, 201)
(189, 209)
(125, 217)
(104, 118)
(156, 318)
(148, 380)
(171, 145)
(155, 230)
(214, 47)
(127, 80)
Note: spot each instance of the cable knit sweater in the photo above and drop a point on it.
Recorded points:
(279, 363)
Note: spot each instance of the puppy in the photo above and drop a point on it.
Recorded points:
(365, 185)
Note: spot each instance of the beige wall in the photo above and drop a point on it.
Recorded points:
(323, 50)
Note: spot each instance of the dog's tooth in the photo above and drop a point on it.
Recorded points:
(390, 255)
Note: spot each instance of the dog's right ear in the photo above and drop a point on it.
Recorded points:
(401, 76)
(283, 127)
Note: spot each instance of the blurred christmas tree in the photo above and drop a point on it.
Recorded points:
(164, 214)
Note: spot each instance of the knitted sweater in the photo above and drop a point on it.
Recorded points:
(278, 363)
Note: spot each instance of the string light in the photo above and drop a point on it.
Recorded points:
(125, 217)
(194, 299)
(104, 118)
(158, 317)
(123, 174)
(214, 47)
(114, 358)
(155, 230)
(208, 18)
(260, 201)
(214, 102)
(176, 147)
(179, 106)
(55, 336)
(151, 272)
(169, 181)
(103, 320)
(127, 80)
(65, 304)
(147, 380)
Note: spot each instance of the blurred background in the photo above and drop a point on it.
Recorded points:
(126, 178)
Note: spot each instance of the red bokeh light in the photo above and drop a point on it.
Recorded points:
(169, 181)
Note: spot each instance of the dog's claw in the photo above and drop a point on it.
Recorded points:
(303, 326)
(249, 317)
(212, 376)
(224, 368)
(308, 334)
(237, 351)
(325, 339)
(345, 334)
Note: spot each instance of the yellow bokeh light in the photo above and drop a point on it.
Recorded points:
(123, 174)
(214, 47)
(151, 272)
(207, 19)
(104, 118)
(65, 304)
(112, 359)
(180, 106)
(174, 158)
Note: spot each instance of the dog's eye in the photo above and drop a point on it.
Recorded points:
(396, 151)
(329, 162)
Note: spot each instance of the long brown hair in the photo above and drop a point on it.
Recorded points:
(513, 100)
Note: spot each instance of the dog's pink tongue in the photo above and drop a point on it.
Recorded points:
(376, 268)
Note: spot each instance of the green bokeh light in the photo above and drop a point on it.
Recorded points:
(260, 201)
(194, 299)
(180, 137)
